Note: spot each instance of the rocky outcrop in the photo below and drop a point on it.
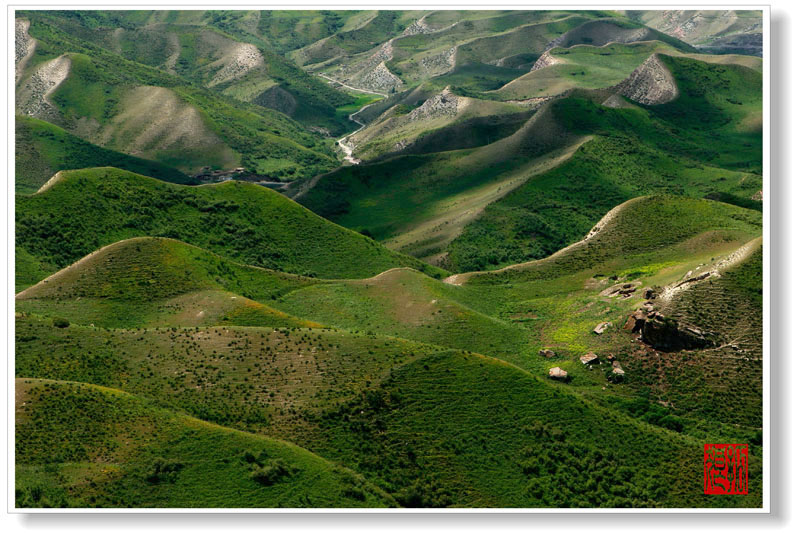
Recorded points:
(669, 335)
(33, 98)
(243, 58)
(545, 60)
(24, 46)
(439, 105)
(419, 26)
(380, 79)
(558, 373)
(650, 84)
(439, 63)
(622, 290)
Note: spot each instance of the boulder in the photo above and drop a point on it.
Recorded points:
(636, 321)
(547, 353)
(600, 328)
(670, 335)
(590, 359)
(558, 373)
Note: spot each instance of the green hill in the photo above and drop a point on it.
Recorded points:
(465, 430)
(119, 450)
(705, 143)
(139, 110)
(243, 222)
(151, 282)
(225, 56)
(42, 149)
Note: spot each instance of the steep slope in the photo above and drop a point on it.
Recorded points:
(230, 56)
(244, 222)
(580, 66)
(437, 119)
(119, 450)
(42, 149)
(707, 141)
(107, 100)
(419, 203)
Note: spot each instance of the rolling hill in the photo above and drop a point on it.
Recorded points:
(129, 452)
(42, 149)
(531, 277)
(241, 221)
(80, 87)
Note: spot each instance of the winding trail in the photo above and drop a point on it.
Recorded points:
(346, 149)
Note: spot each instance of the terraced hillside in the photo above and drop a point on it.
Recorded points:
(385, 258)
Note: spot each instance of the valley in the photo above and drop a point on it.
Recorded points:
(386, 259)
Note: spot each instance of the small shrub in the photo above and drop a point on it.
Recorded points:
(61, 322)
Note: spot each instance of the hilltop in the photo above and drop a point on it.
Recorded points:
(119, 450)
(241, 221)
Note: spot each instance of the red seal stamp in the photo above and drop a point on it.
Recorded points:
(725, 469)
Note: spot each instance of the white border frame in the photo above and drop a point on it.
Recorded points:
(377, 4)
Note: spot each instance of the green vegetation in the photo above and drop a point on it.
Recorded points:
(692, 146)
(118, 450)
(42, 149)
(168, 334)
(244, 222)
(226, 132)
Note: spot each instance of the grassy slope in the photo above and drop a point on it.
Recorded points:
(99, 90)
(201, 43)
(466, 430)
(118, 450)
(419, 203)
(148, 282)
(315, 388)
(582, 66)
(244, 222)
(706, 142)
(42, 149)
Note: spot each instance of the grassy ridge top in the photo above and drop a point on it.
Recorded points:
(118, 450)
(147, 282)
(244, 222)
(41, 149)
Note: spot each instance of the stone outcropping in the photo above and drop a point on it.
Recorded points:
(33, 98)
(545, 60)
(600, 328)
(558, 373)
(650, 84)
(667, 334)
(24, 46)
(547, 353)
(439, 105)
